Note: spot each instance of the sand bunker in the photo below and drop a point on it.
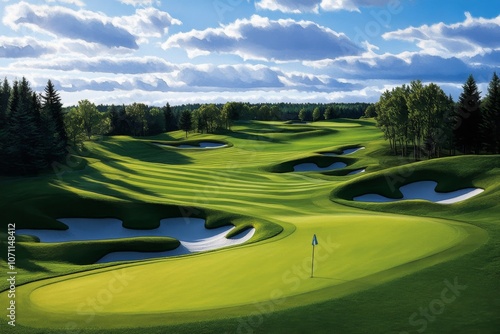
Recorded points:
(345, 152)
(202, 145)
(312, 167)
(358, 171)
(424, 190)
(191, 233)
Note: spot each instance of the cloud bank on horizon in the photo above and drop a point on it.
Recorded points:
(198, 51)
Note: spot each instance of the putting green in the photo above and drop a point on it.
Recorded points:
(350, 248)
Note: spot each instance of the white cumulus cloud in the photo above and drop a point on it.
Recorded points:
(289, 6)
(89, 26)
(77, 3)
(471, 37)
(141, 3)
(64, 22)
(305, 6)
(117, 65)
(23, 47)
(147, 22)
(265, 39)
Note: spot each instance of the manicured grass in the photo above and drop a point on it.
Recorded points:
(375, 265)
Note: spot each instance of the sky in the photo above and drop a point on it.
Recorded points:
(214, 51)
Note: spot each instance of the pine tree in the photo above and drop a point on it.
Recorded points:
(52, 106)
(4, 103)
(114, 119)
(185, 122)
(24, 153)
(170, 123)
(490, 123)
(468, 118)
(5, 91)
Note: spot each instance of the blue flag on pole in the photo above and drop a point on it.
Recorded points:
(315, 240)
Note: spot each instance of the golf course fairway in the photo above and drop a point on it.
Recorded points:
(386, 259)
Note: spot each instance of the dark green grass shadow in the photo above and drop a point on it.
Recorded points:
(139, 150)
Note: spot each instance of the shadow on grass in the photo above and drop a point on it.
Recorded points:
(254, 137)
(100, 184)
(142, 151)
(357, 281)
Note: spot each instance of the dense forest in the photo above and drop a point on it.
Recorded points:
(422, 121)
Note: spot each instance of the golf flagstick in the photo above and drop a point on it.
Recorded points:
(314, 243)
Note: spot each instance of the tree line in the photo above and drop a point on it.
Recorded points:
(286, 111)
(139, 119)
(421, 120)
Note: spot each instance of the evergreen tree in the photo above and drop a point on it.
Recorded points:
(185, 122)
(170, 122)
(490, 124)
(13, 99)
(5, 91)
(114, 119)
(449, 122)
(55, 138)
(468, 118)
(24, 152)
(4, 103)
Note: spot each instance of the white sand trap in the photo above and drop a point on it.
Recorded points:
(203, 145)
(345, 152)
(358, 171)
(424, 190)
(312, 167)
(191, 233)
